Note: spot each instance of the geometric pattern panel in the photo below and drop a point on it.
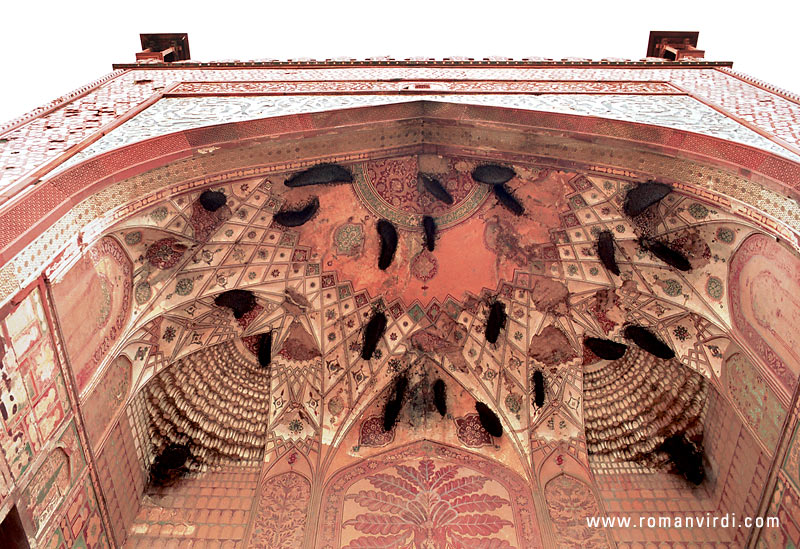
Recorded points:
(316, 285)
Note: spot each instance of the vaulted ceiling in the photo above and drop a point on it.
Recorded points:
(316, 286)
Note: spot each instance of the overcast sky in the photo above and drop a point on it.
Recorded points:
(51, 48)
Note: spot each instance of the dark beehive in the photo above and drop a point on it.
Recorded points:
(319, 175)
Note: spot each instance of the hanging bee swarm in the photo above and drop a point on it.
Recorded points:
(644, 195)
(492, 174)
(507, 200)
(686, 457)
(670, 256)
(295, 218)
(372, 334)
(648, 341)
(440, 397)
(434, 187)
(393, 406)
(388, 238)
(240, 302)
(538, 388)
(429, 226)
(605, 348)
(265, 349)
(495, 322)
(489, 420)
(320, 174)
(169, 465)
(212, 200)
(605, 251)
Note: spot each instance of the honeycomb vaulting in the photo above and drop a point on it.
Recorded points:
(215, 400)
(632, 404)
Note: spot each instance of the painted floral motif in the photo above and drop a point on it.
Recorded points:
(424, 507)
(281, 519)
(296, 426)
(169, 334)
(250, 316)
(133, 238)
(681, 332)
(159, 214)
(424, 266)
(569, 502)
(143, 293)
(698, 211)
(104, 310)
(725, 235)
(349, 238)
(470, 431)
(514, 403)
(577, 202)
(165, 253)
(372, 433)
(671, 287)
(714, 288)
(184, 286)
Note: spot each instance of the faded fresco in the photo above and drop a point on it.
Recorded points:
(33, 397)
(93, 301)
(765, 290)
(755, 400)
(55, 477)
(107, 397)
(569, 502)
(280, 521)
(80, 526)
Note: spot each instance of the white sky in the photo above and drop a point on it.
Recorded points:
(51, 48)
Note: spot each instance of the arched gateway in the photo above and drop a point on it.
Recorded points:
(131, 206)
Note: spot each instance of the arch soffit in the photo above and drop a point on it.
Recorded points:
(176, 163)
(79, 204)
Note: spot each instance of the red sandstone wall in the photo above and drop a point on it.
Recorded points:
(44, 467)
